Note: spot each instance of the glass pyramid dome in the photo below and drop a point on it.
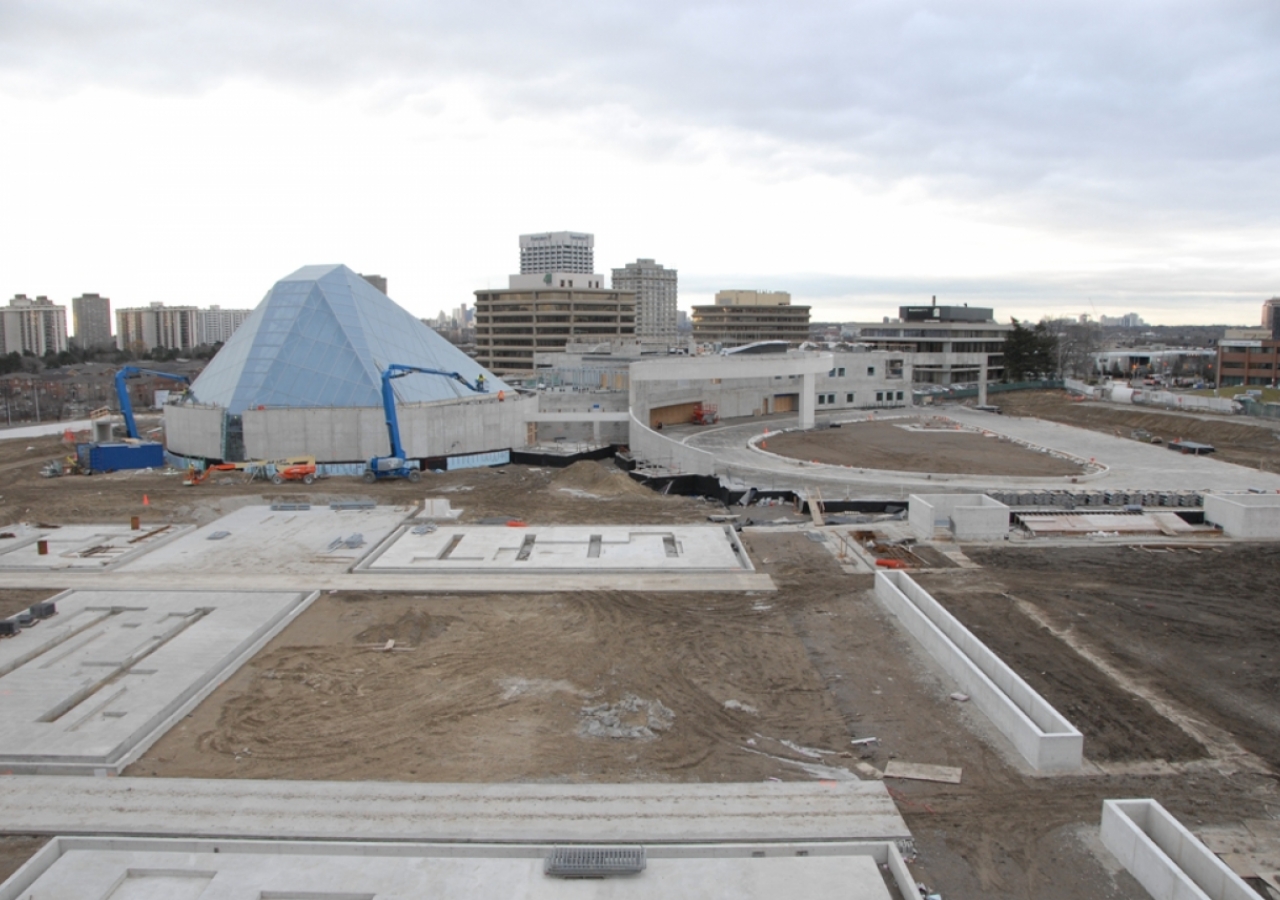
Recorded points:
(322, 337)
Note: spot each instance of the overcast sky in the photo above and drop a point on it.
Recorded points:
(1042, 158)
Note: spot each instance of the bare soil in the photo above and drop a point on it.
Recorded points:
(1202, 625)
(529, 687)
(1245, 442)
(15, 850)
(886, 445)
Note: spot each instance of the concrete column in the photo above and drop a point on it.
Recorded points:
(595, 432)
(982, 384)
(808, 399)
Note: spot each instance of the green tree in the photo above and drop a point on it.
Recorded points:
(1030, 353)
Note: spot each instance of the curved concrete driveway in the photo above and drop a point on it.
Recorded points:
(1130, 466)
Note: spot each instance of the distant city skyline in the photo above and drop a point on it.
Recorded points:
(1041, 159)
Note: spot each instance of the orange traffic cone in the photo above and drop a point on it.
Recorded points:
(145, 501)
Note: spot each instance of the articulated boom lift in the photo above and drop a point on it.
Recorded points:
(395, 465)
(122, 391)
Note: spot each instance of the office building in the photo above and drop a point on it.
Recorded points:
(378, 281)
(655, 288)
(91, 317)
(542, 313)
(948, 344)
(745, 317)
(557, 251)
(36, 326)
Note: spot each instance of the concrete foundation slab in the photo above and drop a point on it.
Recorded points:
(371, 810)
(132, 869)
(258, 539)
(583, 549)
(80, 547)
(88, 690)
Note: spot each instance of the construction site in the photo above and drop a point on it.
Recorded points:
(352, 631)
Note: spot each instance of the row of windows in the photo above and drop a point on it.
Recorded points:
(881, 397)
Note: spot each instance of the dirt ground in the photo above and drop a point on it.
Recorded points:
(886, 445)
(1236, 439)
(1202, 626)
(586, 493)
(621, 686)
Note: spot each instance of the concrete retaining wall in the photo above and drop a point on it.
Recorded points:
(651, 448)
(194, 430)
(1079, 387)
(351, 434)
(1254, 516)
(969, 517)
(1167, 859)
(1044, 738)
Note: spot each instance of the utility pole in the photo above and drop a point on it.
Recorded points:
(35, 394)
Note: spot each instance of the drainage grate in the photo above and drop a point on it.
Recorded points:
(361, 503)
(594, 862)
(290, 506)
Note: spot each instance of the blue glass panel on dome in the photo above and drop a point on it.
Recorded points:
(321, 337)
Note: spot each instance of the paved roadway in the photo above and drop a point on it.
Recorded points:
(1129, 464)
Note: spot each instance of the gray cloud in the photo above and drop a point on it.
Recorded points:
(1081, 114)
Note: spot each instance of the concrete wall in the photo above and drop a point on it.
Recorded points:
(554, 419)
(194, 430)
(1184, 401)
(969, 517)
(1043, 737)
(1254, 516)
(351, 434)
(1166, 859)
(652, 448)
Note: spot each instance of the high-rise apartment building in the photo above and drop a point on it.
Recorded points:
(91, 318)
(157, 325)
(36, 326)
(378, 281)
(655, 288)
(218, 324)
(745, 317)
(557, 251)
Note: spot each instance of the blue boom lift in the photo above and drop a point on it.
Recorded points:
(136, 454)
(395, 465)
(122, 392)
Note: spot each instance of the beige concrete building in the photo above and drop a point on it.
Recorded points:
(744, 317)
(157, 325)
(656, 289)
(218, 324)
(947, 344)
(536, 314)
(36, 326)
(91, 316)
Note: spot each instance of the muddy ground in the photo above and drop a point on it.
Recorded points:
(887, 445)
(620, 686)
(1244, 441)
(1201, 627)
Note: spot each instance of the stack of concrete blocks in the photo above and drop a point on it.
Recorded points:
(968, 517)
(1251, 516)
(1040, 734)
(1165, 857)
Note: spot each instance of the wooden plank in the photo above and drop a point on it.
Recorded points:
(922, 772)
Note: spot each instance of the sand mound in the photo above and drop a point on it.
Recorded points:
(597, 479)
